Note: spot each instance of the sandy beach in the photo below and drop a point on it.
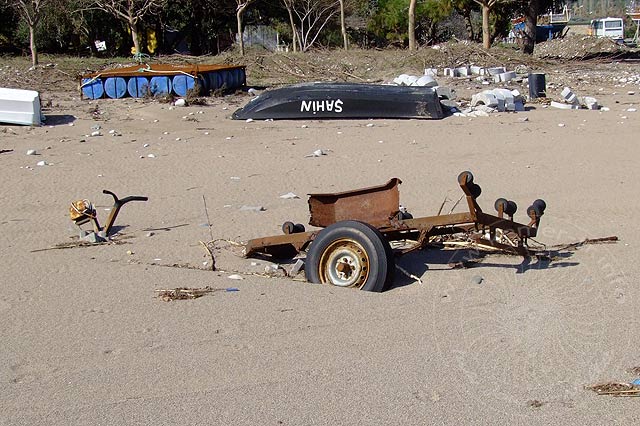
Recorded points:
(85, 340)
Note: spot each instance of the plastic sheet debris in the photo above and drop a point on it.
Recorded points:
(317, 153)
(235, 277)
(289, 196)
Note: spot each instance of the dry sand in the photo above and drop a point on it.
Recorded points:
(85, 342)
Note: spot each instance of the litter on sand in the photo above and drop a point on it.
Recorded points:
(615, 389)
(184, 293)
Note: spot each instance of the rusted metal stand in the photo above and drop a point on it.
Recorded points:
(89, 215)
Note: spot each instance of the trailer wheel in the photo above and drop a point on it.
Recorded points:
(350, 254)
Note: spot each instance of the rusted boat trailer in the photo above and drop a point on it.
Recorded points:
(353, 249)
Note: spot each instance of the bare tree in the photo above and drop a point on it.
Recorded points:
(288, 4)
(31, 11)
(242, 7)
(130, 12)
(412, 25)
(309, 17)
(486, 5)
(343, 26)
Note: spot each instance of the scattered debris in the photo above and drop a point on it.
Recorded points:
(252, 209)
(476, 279)
(408, 274)
(289, 196)
(615, 389)
(184, 293)
(499, 100)
(32, 152)
(235, 277)
(571, 101)
(317, 153)
(180, 102)
(635, 371)
(534, 403)
(296, 268)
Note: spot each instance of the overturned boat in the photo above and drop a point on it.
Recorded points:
(343, 100)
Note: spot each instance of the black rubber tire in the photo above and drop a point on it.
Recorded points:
(512, 208)
(475, 190)
(540, 205)
(380, 264)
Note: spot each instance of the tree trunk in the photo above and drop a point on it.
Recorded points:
(32, 44)
(530, 23)
(294, 32)
(486, 34)
(343, 26)
(134, 36)
(412, 25)
(240, 36)
(239, 14)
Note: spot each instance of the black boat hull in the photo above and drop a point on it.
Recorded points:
(343, 100)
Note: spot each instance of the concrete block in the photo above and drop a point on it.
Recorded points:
(561, 105)
(590, 103)
(433, 72)
(462, 71)
(445, 92)
(484, 98)
(426, 81)
(496, 70)
(507, 76)
(475, 69)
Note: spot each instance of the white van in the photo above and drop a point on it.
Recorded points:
(607, 27)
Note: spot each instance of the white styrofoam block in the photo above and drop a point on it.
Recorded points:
(20, 107)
